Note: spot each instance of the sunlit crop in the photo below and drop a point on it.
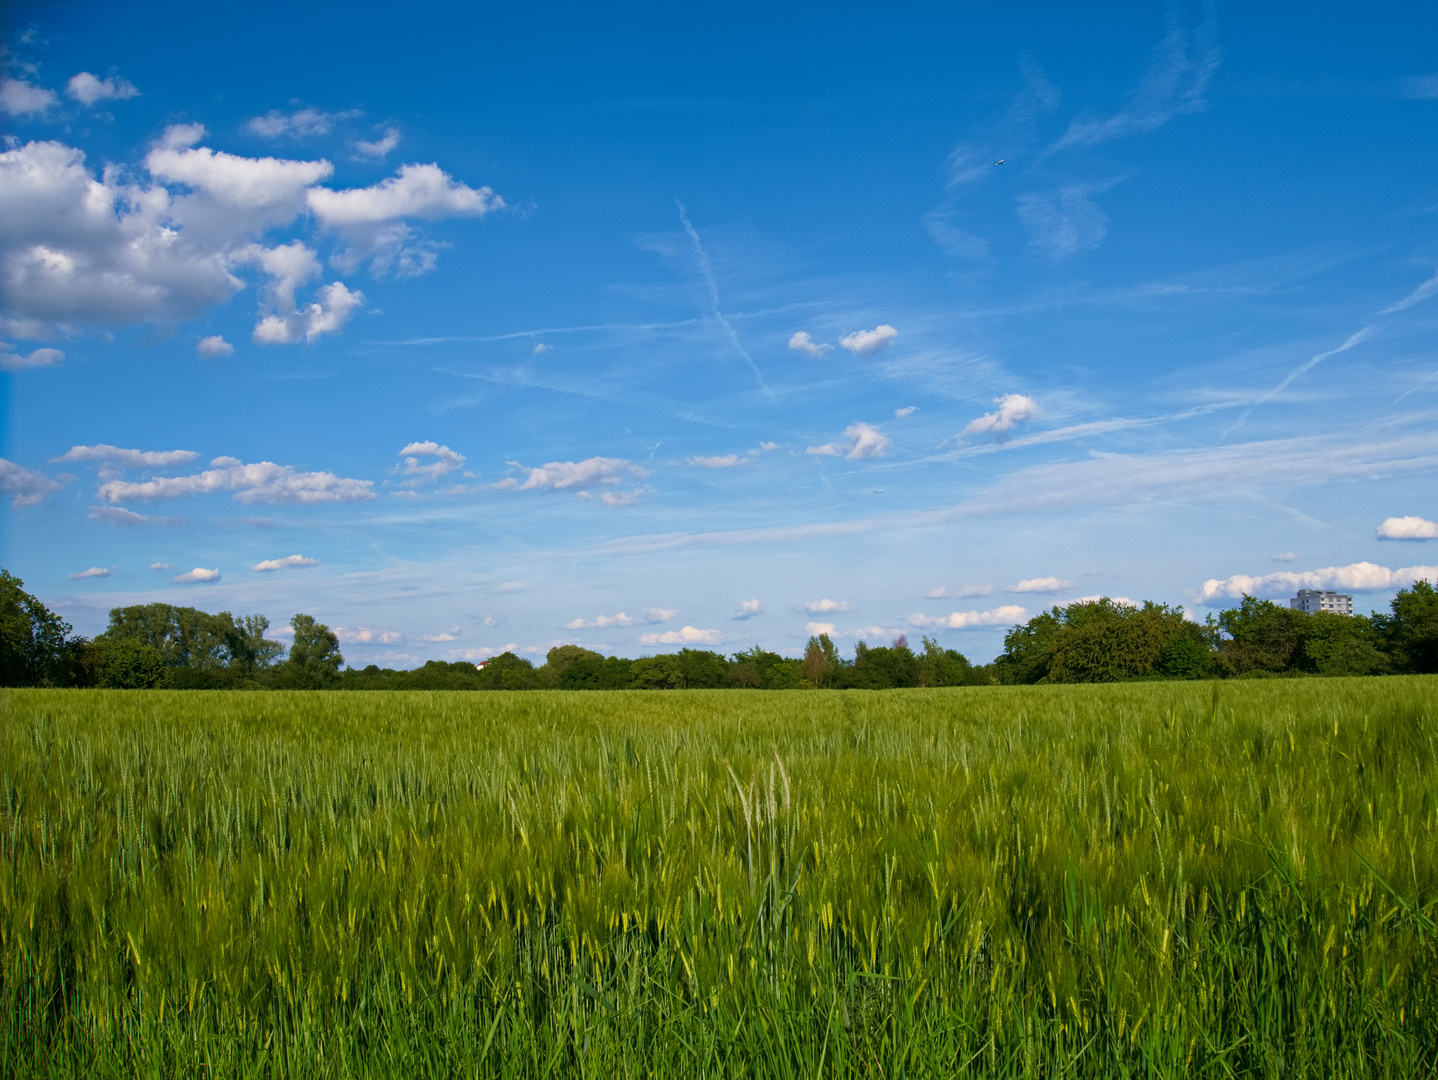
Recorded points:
(1144, 879)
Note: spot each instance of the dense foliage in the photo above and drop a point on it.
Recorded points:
(1159, 880)
(160, 645)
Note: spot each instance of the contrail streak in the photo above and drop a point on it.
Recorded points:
(1302, 369)
(708, 269)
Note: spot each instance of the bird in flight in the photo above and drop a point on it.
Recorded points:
(999, 162)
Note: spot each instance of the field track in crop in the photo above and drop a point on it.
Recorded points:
(1152, 879)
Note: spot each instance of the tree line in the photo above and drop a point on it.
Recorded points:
(163, 646)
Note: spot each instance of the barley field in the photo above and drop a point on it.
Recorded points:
(1154, 879)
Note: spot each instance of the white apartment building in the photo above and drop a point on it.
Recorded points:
(1315, 600)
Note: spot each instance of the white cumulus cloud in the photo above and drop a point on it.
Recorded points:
(198, 575)
(1359, 577)
(1408, 528)
(906, 412)
(1042, 585)
(261, 482)
(119, 247)
(604, 622)
(964, 593)
(132, 459)
(94, 571)
(214, 347)
(688, 635)
(370, 220)
(578, 477)
(445, 462)
(1013, 410)
(12, 360)
(24, 487)
(865, 441)
(817, 628)
(747, 609)
(815, 607)
(868, 342)
(299, 124)
(366, 635)
(88, 89)
(282, 564)
(20, 98)
(803, 343)
(327, 315)
(1004, 615)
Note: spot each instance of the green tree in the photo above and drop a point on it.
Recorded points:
(128, 664)
(314, 660)
(819, 656)
(1103, 641)
(572, 667)
(759, 669)
(883, 667)
(35, 646)
(1028, 649)
(250, 652)
(1410, 633)
(662, 672)
(186, 637)
(507, 672)
(947, 667)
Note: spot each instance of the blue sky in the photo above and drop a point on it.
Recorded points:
(637, 328)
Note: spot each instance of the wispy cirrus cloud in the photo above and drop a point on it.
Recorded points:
(1066, 221)
(118, 515)
(1175, 78)
(378, 148)
(724, 461)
